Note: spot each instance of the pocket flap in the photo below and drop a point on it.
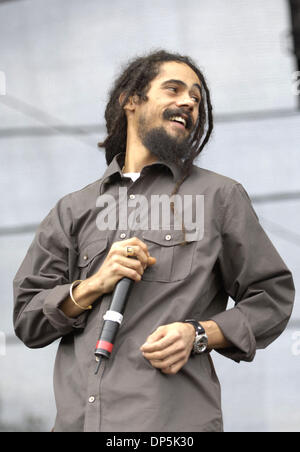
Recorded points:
(167, 237)
(90, 251)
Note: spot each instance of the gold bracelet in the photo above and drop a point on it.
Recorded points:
(72, 298)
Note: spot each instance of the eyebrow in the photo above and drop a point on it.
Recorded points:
(180, 82)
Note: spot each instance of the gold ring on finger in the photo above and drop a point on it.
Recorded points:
(129, 251)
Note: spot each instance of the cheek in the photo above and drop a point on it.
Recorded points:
(145, 122)
(152, 115)
(155, 117)
(195, 118)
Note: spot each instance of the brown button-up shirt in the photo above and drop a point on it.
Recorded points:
(228, 255)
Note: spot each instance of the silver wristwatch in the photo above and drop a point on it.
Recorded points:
(201, 340)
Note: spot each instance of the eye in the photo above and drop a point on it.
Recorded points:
(196, 99)
(172, 88)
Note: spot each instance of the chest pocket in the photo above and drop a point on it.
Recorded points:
(173, 259)
(91, 257)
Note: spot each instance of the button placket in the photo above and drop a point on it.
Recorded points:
(94, 405)
(130, 212)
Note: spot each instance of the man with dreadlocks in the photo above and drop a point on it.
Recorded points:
(160, 376)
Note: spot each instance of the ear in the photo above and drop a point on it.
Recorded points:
(131, 102)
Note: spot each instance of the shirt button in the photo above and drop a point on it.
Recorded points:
(168, 237)
(85, 258)
(132, 196)
(92, 399)
(123, 235)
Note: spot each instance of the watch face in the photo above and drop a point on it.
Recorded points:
(200, 344)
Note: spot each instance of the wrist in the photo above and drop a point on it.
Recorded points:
(216, 338)
(93, 286)
(190, 327)
(200, 338)
(87, 292)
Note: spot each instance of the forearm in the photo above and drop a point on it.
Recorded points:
(85, 294)
(216, 339)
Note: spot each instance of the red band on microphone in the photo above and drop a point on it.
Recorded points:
(104, 345)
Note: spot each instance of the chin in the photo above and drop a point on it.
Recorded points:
(182, 134)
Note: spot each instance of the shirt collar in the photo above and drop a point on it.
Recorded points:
(116, 165)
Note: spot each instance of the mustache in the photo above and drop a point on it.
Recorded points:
(169, 113)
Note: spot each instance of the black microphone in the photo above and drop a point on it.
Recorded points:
(113, 319)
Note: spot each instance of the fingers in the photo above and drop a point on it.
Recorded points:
(139, 246)
(163, 354)
(124, 266)
(174, 368)
(158, 334)
(162, 338)
(165, 357)
(171, 364)
(117, 264)
(157, 342)
(169, 347)
(121, 265)
(129, 263)
(140, 251)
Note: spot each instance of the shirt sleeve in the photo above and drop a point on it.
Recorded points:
(43, 282)
(255, 277)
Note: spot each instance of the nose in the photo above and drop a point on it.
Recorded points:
(186, 101)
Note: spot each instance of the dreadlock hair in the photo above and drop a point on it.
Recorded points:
(135, 80)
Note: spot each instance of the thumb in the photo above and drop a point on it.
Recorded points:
(151, 260)
(155, 336)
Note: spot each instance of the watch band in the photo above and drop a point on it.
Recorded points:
(201, 340)
(198, 328)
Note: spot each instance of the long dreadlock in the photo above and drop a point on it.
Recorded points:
(135, 80)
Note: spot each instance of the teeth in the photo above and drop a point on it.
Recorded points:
(179, 119)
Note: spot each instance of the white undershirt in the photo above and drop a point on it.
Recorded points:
(133, 176)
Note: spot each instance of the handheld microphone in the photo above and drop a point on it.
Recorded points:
(113, 319)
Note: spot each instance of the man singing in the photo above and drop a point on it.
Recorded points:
(160, 376)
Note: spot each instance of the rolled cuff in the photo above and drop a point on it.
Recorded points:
(55, 315)
(237, 330)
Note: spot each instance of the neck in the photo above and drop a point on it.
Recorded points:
(137, 156)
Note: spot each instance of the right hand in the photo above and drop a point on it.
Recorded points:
(117, 265)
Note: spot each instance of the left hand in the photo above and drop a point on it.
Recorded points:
(169, 347)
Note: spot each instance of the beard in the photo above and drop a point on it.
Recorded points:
(165, 147)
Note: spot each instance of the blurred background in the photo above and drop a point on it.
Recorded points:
(57, 63)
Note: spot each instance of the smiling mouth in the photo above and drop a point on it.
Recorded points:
(179, 120)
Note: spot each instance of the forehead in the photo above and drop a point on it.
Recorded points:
(179, 71)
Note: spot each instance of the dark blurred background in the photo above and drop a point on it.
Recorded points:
(57, 63)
